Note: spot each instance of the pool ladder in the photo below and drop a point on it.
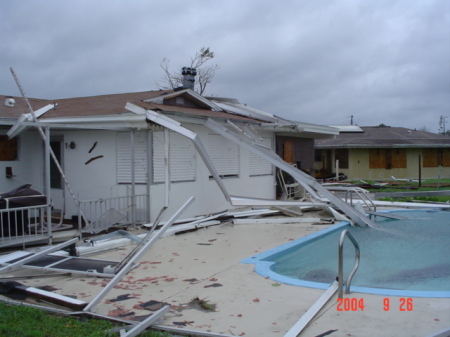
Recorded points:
(296, 329)
(363, 196)
(341, 263)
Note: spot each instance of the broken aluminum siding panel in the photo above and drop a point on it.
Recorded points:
(307, 181)
(137, 256)
(74, 265)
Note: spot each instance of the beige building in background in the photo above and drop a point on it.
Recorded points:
(382, 152)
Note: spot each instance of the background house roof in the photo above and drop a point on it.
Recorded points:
(377, 137)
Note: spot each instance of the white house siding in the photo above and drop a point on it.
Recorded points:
(27, 169)
(98, 179)
(208, 197)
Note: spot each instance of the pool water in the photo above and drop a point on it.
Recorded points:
(408, 257)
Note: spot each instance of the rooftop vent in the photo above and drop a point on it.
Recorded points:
(188, 77)
(10, 102)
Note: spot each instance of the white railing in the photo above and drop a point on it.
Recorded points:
(22, 225)
(101, 214)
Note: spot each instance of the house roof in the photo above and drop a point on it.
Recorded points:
(378, 137)
(91, 110)
(112, 104)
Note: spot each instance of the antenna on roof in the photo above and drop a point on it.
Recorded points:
(351, 119)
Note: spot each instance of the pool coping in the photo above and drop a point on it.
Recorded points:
(263, 268)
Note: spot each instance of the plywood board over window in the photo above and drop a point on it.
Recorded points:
(446, 157)
(377, 159)
(398, 158)
(430, 158)
(8, 148)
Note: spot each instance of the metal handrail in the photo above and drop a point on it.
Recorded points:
(363, 196)
(341, 262)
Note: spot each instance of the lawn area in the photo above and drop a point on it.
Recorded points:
(24, 321)
(410, 186)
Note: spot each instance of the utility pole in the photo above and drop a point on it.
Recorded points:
(442, 124)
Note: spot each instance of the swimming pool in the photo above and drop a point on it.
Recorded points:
(408, 257)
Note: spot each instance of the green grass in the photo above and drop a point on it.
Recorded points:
(403, 186)
(24, 321)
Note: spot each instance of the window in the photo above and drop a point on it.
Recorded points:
(8, 149)
(124, 168)
(318, 155)
(342, 156)
(259, 166)
(387, 158)
(56, 145)
(182, 158)
(436, 157)
(224, 154)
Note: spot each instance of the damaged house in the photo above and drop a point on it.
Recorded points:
(118, 166)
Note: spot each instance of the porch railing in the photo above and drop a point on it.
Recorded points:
(22, 225)
(104, 213)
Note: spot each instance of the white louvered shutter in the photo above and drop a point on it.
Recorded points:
(182, 158)
(224, 154)
(124, 157)
(259, 166)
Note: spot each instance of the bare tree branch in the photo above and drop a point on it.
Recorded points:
(205, 73)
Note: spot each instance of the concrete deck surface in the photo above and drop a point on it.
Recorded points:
(206, 264)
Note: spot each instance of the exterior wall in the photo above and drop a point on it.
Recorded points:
(98, 179)
(208, 197)
(300, 151)
(27, 169)
(359, 167)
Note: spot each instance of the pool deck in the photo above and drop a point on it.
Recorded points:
(206, 264)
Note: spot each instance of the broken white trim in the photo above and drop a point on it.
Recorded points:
(28, 117)
(312, 311)
(189, 92)
(288, 220)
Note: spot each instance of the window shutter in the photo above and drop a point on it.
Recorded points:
(182, 158)
(224, 154)
(259, 166)
(124, 157)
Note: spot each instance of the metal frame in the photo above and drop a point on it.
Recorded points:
(136, 257)
(310, 184)
(341, 263)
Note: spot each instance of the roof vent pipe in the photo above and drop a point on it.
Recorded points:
(10, 102)
(188, 77)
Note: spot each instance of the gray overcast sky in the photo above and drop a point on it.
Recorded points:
(314, 61)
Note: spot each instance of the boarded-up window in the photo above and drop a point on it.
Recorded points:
(398, 158)
(224, 155)
(430, 158)
(8, 148)
(124, 167)
(377, 159)
(436, 157)
(342, 156)
(446, 157)
(387, 158)
(182, 158)
(259, 166)
(288, 151)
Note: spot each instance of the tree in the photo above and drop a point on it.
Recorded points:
(205, 73)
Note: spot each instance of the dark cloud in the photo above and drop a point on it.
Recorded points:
(312, 61)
